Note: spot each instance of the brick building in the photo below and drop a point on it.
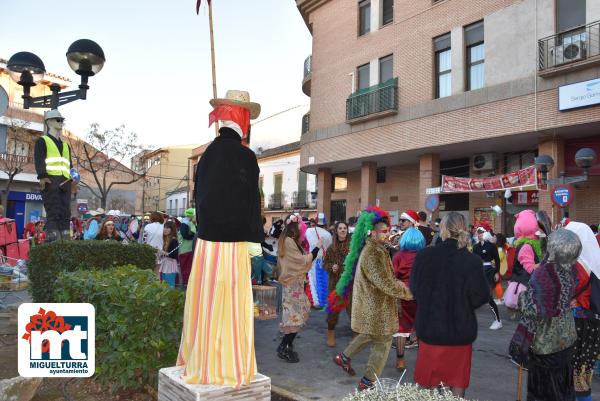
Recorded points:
(403, 91)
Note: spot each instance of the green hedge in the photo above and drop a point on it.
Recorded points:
(138, 322)
(47, 261)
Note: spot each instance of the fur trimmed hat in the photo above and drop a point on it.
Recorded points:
(410, 215)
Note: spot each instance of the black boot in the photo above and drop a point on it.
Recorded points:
(287, 354)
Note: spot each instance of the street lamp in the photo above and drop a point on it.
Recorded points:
(84, 56)
(584, 159)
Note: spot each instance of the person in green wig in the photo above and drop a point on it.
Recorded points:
(187, 232)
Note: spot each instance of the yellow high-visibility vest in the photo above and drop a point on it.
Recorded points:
(57, 164)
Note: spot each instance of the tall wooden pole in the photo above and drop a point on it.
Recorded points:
(212, 54)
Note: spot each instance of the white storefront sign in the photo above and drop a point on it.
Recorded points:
(580, 94)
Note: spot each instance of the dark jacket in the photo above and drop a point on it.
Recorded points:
(448, 285)
(226, 192)
(488, 252)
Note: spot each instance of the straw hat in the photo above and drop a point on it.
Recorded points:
(238, 98)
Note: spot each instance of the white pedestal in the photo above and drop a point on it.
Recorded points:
(172, 388)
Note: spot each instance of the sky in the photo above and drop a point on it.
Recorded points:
(157, 76)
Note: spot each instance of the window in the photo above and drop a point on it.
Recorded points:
(386, 68)
(387, 12)
(18, 148)
(302, 181)
(261, 181)
(569, 14)
(176, 206)
(381, 175)
(339, 182)
(517, 161)
(278, 183)
(170, 204)
(443, 63)
(364, 77)
(475, 56)
(364, 17)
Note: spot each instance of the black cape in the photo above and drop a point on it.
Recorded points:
(226, 192)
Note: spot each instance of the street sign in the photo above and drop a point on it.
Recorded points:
(432, 203)
(562, 195)
(3, 101)
(82, 208)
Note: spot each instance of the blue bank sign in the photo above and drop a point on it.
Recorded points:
(25, 196)
(580, 94)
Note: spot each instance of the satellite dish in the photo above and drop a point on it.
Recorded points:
(3, 101)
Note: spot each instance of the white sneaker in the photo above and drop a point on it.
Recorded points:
(496, 325)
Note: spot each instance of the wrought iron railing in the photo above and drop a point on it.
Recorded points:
(305, 123)
(569, 47)
(376, 99)
(276, 201)
(307, 68)
(301, 199)
(16, 159)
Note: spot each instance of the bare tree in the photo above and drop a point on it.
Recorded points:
(103, 154)
(121, 203)
(16, 156)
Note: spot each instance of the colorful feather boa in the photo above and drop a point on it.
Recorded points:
(338, 298)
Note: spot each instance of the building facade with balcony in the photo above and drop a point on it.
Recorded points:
(177, 202)
(166, 171)
(405, 91)
(285, 187)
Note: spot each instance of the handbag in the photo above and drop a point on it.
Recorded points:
(520, 344)
(511, 295)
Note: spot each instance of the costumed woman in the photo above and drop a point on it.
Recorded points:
(528, 254)
(546, 333)
(217, 343)
(412, 241)
(448, 284)
(375, 298)
(334, 265)
(587, 347)
(488, 252)
(293, 263)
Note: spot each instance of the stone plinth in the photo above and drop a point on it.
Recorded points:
(172, 388)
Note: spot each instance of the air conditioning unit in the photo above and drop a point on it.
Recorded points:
(483, 162)
(566, 53)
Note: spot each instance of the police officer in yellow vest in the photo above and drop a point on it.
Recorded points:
(52, 159)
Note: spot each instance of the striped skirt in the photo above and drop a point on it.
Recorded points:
(217, 342)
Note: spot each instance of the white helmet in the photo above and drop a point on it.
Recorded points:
(50, 114)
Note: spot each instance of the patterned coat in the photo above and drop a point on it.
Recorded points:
(335, 255)
(375, 292)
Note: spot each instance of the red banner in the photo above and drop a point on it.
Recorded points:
(526, 177)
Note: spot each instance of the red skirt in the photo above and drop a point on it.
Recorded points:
(406, 316)
(443, 364)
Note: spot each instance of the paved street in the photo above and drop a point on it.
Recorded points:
(493, 376)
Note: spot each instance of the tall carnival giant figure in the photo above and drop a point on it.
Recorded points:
(52, 158)
(217, 344)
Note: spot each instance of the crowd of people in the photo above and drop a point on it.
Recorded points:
(418, 285)
(172, 237)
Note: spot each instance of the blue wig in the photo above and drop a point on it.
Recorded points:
(412, 240)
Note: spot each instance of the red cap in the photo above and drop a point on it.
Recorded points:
(411, 216)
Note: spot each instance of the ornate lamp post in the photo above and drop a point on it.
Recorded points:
(84, 56)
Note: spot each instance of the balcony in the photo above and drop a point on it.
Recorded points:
(568, 51)
(374, 102)
(276, 201)
(14, 160)
(303, 200)
(305, 123)
(307, 75)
